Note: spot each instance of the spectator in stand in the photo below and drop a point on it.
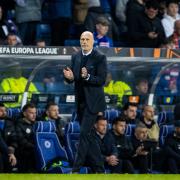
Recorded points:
(176, 35)
(52, 114)
(60, 13)
(40, 43)
(130, 113)
(146, 29)
(100, 35)
(13, 40)
(98, 8)
(121, 14)
(172, 149)
(8, 141)
(25, 136)
(6, 27)
(123, 144)
(147, 119)
(133, 8)
(171, 16)
(28, 15)
(142, 148)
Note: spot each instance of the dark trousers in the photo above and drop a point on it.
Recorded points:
(174, 165)
(127, 166)
(27, 32)
(141, 162)
(27, 162)
(89, 154)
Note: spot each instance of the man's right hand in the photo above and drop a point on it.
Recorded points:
(68, 74)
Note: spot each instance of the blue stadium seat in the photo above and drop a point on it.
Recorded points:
(111, 114)
(165, 130)
(48, 148)
(72, 133)
(13, 112)
(130, 128)
(165, 117)
(1, 124)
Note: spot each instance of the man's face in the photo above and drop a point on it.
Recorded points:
(172, 9)
(120, 127)
(142, 87)
(149, 113)
(151, 12)
(86, 41)
(102, 29)
(3, 112)
(131, 112)
(41, 44)
(101, 127)
(141, 133)
(12, 40)
(53, 112)
(30, 114)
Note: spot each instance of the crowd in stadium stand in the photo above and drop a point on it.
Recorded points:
(135, 23)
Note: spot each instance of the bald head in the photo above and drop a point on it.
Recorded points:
(86, 41)
(177, 27)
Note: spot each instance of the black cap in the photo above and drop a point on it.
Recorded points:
(177, 123)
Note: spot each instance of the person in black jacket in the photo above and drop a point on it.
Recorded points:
(8, 137)
(123, 144)
(142, 148)
(52, 114)
(25, 136)
(98, 150)
(172, 149)
(88, 72)
(146, 30)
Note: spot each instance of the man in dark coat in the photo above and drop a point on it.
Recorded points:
(88, 72)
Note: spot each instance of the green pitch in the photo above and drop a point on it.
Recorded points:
(86, 177)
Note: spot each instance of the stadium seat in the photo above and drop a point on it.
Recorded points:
(165, 117)
(51, 156)
(72, 132)
(165, 130)
(14, 112)
(111, 114)
(130, 128)
(1, 124)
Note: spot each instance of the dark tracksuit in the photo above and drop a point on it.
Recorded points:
(142, 161)
(172, 150)
(26, 153)
(125, 152)
(8, 142)
(93, 152)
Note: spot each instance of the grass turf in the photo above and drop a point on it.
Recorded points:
(86, 177)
